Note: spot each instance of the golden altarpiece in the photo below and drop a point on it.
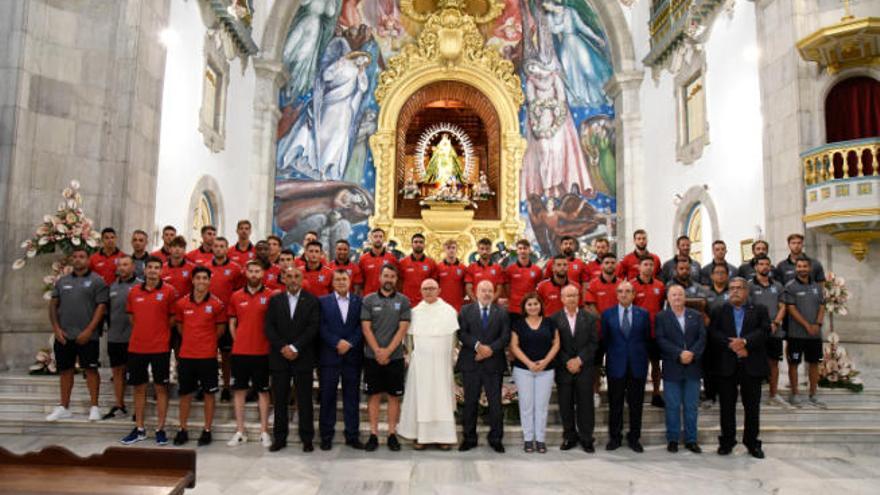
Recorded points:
(448, 148)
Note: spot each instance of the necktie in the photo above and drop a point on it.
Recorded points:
(485, 317)
(625, 326)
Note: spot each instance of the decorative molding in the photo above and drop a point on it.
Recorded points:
(213, 126)
(206, 186)
(693, 65)
(693, 196)
(232, 18)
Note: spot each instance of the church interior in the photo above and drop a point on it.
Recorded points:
(742, 121)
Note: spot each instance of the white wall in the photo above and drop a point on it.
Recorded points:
(731, 165)
(183, 157)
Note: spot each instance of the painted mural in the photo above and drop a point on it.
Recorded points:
(334, 52)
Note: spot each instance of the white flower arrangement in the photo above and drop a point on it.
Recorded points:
(836, 295)
(67, 228)
(837, 369)
(44, 361)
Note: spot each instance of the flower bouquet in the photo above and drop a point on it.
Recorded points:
(837, 369)
(63, 230)
(44, 361)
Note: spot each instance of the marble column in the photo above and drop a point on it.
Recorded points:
(270, 77)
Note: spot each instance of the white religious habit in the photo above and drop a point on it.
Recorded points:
(428, 411)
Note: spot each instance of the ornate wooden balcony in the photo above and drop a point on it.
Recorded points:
(842, 191)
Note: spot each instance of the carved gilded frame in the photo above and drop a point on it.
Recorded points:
(449, 48)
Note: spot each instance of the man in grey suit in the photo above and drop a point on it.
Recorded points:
(579, 339)
(484, 331)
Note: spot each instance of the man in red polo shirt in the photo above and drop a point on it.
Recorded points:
(271, 272)
(414, 269)
(343, 261)
(601, 295)
(450, 276)
(242, 251)
(289, 260)
(317, 277)
(151, 306)
(372, 261)
(274, 243)
(601, 246)
(103, 262)
(483, 269)
(577, 269)
(309, 236)
(550, 290)
(629, 265)
(521, 277)
(250, 351)
(201, 319)
(650, 294)
(177, 271)
(226, 278)
(203, 254)
(168, 233)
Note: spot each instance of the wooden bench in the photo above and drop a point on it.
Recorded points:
(121, 470)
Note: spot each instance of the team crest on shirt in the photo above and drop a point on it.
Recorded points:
(114, 294)
(492, 271)
(186, 273)
(87, 283)
(656, 291)
(209, 309)
(533, 274)
(227, 272)
(815, 291)
(424, 268)
(320, 278)
(159, 296)
(458, 271)
(262, 300)
(773, 290)
(397, 306)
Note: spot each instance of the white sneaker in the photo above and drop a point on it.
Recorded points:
(266, 439)
(61, 412)
(94, 414)
(238, 439)
(815, 402)
(777, 400)
(796, 401)
(597, 400)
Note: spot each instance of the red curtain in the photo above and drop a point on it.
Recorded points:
(852, 110)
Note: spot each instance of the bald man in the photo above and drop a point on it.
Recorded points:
(484, 331)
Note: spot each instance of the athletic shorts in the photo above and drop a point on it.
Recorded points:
(388, 379)
(250, 371)
(774, 348)
(118, 352)
(809, 350)
(197, 374)
(67, 354)
(140, 365)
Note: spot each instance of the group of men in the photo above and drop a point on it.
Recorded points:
(273, 318)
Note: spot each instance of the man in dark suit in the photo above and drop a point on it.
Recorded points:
(626, 329)
(292, 323)
(681, 336)
(738, 331)
(579, 339)
(484, 331)
(341, 356)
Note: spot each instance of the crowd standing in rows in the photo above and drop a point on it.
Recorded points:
(250, 320)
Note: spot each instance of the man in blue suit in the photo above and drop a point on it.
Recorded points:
(626, 329)
(341, 356)
(681, 337)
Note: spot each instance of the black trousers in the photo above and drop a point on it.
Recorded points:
(749, 387)
(710, 379)
(302, 382)
(633, 389)
(474, 382)
(576, 406)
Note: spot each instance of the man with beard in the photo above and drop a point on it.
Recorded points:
(414, 269)
(649, 295)
(521, 277)
(450, 276)
(483, 269)
(747, 269)
(719, 252)
(764, 291)
(342, 260)
(226, 278)
(103, 262)
(203, 254)
(317, 277)
(805, 304)
(274, 244)
(372, 261)
(385, 317)
(271, 272)
(177, 270)
(602, 295)
(550, 290)
(683, 244)
(168, 234)
(601, 246)
(628, 268)
(785, 270)
(243, 250)
(139, 252)
(577, 269)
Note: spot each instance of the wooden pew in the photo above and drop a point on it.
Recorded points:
(121, 470)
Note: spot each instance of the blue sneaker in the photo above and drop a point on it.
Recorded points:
(136, 435)
(161, 437)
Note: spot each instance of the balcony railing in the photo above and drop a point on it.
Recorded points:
(843, 160)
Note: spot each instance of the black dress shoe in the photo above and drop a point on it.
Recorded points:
(756, 452)
(636, 447)
(588, 447)
(308, 446)
(393, 443)
(355, 444)
(497, 447)
(465, 446)
(612, 445)
(277, 445)
(724, 450)
(181, 438)
(657, 401)
(672, 447)
(326, 444)
(568, 445)
(205, 438)
(372, 444)
(693, 447)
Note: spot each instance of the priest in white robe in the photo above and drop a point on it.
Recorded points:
(428, 415)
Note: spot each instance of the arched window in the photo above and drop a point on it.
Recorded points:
(203, 214)
(694, 230)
